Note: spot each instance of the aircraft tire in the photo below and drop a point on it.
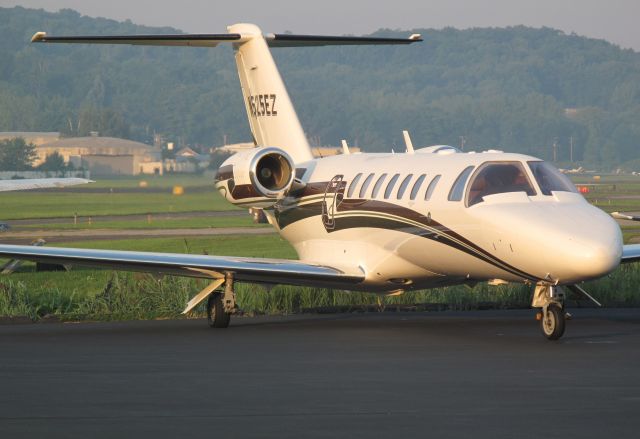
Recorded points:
(216, 316)
(553, 324)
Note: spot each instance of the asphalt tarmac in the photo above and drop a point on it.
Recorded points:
(485, 374)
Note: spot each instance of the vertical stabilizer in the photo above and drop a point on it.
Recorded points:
(272, 118)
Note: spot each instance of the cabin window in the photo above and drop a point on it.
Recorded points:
(457, 190)
(550, 179)
(392, 183)
(416, 186)
(378, 185)
(403, 186)
(353, 185)
(365, 185)
(498, 178)
(431, 188)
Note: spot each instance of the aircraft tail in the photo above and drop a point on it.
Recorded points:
(272, 118)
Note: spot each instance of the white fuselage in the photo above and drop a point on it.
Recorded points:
(403, 241)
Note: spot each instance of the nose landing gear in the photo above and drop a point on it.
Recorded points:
(552, 317)
(552, 321)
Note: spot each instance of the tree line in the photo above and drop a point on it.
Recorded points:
(18, 155)
(535, 91)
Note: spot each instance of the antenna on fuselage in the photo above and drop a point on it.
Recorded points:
(345, 147)
(407, 142)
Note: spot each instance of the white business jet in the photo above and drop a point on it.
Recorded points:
(385, 223)
(39, 183)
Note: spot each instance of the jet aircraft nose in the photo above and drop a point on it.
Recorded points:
(592, 257)
(565, 242)
(586, 243)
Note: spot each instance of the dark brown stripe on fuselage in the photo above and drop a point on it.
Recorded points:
(289, 211)
(246, 191)
(242, 191)
(290, 214)
(224, 173)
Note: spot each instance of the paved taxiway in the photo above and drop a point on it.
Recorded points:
(477, 374)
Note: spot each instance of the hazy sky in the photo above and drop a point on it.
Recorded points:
(613, 20)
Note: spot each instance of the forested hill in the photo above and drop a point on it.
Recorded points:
(518, 89)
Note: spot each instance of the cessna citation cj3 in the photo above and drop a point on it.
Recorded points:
(385, 223)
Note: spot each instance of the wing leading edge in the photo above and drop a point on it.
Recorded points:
(255, 270)
(630, 253)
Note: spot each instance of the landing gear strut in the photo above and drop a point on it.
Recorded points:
(221, 305)
(552, 316)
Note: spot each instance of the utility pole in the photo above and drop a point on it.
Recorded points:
(463, 140)
(571, 148)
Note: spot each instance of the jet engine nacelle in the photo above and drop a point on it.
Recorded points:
(257, 177)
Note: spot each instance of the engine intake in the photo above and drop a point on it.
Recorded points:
(272, 172)
(257, 177)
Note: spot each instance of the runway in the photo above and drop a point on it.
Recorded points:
(484, 374)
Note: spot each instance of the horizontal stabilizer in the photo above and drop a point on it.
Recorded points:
(212, 40)
(289, 40)
(197, 40)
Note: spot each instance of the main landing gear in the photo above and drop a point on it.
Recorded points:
(221, 305)
(552, 316)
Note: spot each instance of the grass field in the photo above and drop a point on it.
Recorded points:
(166, 181)
(117, 196)
(612, 192)
(115, 295)
(263, 246)
(93, 294)
(22, 205)
(187, 223)
(80, 293)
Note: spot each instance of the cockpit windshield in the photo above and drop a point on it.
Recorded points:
(550, 179)
(497, 178)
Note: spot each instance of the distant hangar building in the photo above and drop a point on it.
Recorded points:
(37, 138)
(104, 155)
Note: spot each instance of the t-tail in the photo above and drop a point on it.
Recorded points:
(272, 118)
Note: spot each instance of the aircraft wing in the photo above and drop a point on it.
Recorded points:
(255, 270)
(39, 183)
(625, 216)
(630, 253)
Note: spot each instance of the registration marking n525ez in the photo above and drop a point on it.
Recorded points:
(263, 105)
